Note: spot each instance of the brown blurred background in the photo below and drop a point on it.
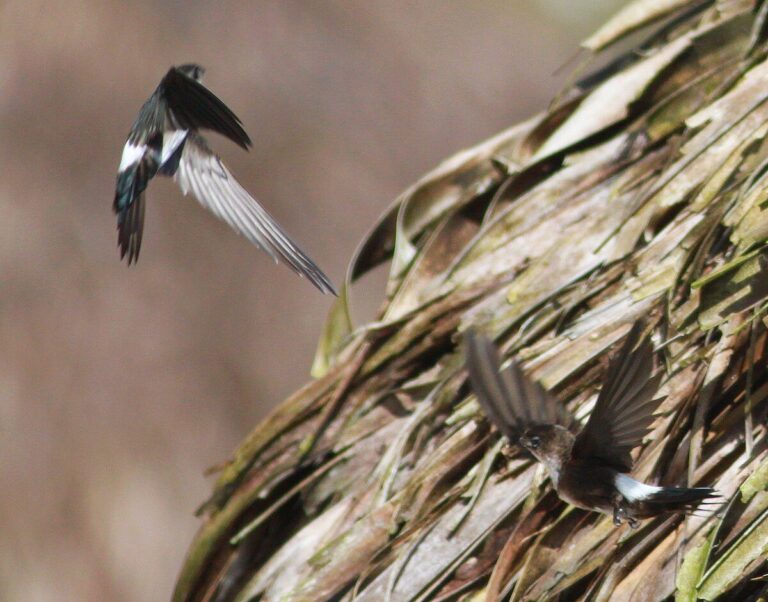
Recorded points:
(119, 386)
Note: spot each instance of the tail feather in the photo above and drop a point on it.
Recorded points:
(129, 204)
(677, 499)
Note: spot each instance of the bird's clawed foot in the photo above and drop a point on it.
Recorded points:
(620, 515)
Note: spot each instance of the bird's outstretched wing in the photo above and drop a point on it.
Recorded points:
(625, 406)
(510, 399)
(192, 106)
(202, 172)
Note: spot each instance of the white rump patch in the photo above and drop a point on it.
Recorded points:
(131, 154)
(171, 141)
(633, 490)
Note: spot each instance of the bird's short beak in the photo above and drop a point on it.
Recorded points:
(524, 441)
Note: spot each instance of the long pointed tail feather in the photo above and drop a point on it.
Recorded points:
(681, 499)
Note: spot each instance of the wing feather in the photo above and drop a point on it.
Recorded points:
(625, 407)
(510, 399)
(202, 172)
(192, 106)
(130, 229)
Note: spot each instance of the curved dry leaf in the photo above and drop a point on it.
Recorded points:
(633, 16)
(611, 102)
(337, 328)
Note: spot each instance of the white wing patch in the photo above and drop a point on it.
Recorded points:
(171, 141)
(633, 490)
(131, 154)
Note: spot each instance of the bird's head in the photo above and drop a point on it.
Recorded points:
(192, 71)
(550, 443)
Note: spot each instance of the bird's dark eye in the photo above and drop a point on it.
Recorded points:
(535, 442)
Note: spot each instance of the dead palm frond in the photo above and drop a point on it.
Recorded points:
(641, 192)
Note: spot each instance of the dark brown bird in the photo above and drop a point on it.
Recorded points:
(588, 468)
(165, 140)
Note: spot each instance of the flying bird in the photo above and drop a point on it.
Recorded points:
(165, 140)
(589, 468)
